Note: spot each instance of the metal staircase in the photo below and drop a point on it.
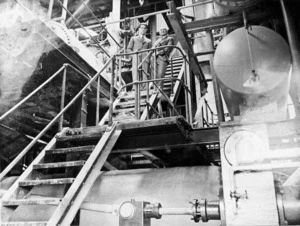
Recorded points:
(53, 187)
(124, 107)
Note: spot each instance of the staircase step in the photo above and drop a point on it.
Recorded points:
(174, 66)
(81, 137)
(79, 149)
(48, 181)
(59, 164)
(128, 109)
(42, 201)
(129, 104)
(25, 223)
(119, 118)
(175, 72)
(177, 59)
(131, 95)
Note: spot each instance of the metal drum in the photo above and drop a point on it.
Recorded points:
(253, 70)
(172, 187)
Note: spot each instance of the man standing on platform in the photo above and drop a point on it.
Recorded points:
(162, 57)
(137, 43)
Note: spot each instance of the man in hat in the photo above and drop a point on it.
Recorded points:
(138, 43)
(162, 56)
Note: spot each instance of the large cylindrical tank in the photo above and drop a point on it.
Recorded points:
(253, 69)
(172, 187)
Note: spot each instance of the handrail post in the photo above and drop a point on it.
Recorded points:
(172, 91)
(206, 112)
(62, 103)
(186, 92)
(136, 85)
(111, 91)
(120, 72)
(98, 101)
(140, 75)
(56, 118)
(155, 66)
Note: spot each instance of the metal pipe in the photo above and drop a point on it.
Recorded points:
(103, 208)
(82, 27)
(32, 93)
(175, 211)
(98, 101)
(62, 102)
(30, 145)
(111, 92)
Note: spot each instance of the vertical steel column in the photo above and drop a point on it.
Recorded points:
(50, 8)
(120, 72)
(64, 12)
(111, 91)
(218, 97)
(62, 102)
(155, 69)
(98, 101)
(216, 88)
(140, 78)
(295, 51)
(136, 86)
(187, 94)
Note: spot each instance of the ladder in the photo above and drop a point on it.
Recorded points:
(124, 105)
(52, 188)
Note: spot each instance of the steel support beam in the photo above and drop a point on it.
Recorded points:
(180, 31)
(223, 21)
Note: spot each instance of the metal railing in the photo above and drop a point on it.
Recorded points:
(208, 115)
(152, 14)
(59, 116)
(137, 84)
(65, 11)
(91, 80)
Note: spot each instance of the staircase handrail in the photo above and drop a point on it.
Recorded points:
(32, 93)
(65, 65)
(150, 52)
(57, 117)
(153, 13)
(71, 15)
(155, 80)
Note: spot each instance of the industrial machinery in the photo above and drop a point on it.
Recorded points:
(139, 158)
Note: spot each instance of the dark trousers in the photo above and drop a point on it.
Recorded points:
(139, 75)
(161, 68)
